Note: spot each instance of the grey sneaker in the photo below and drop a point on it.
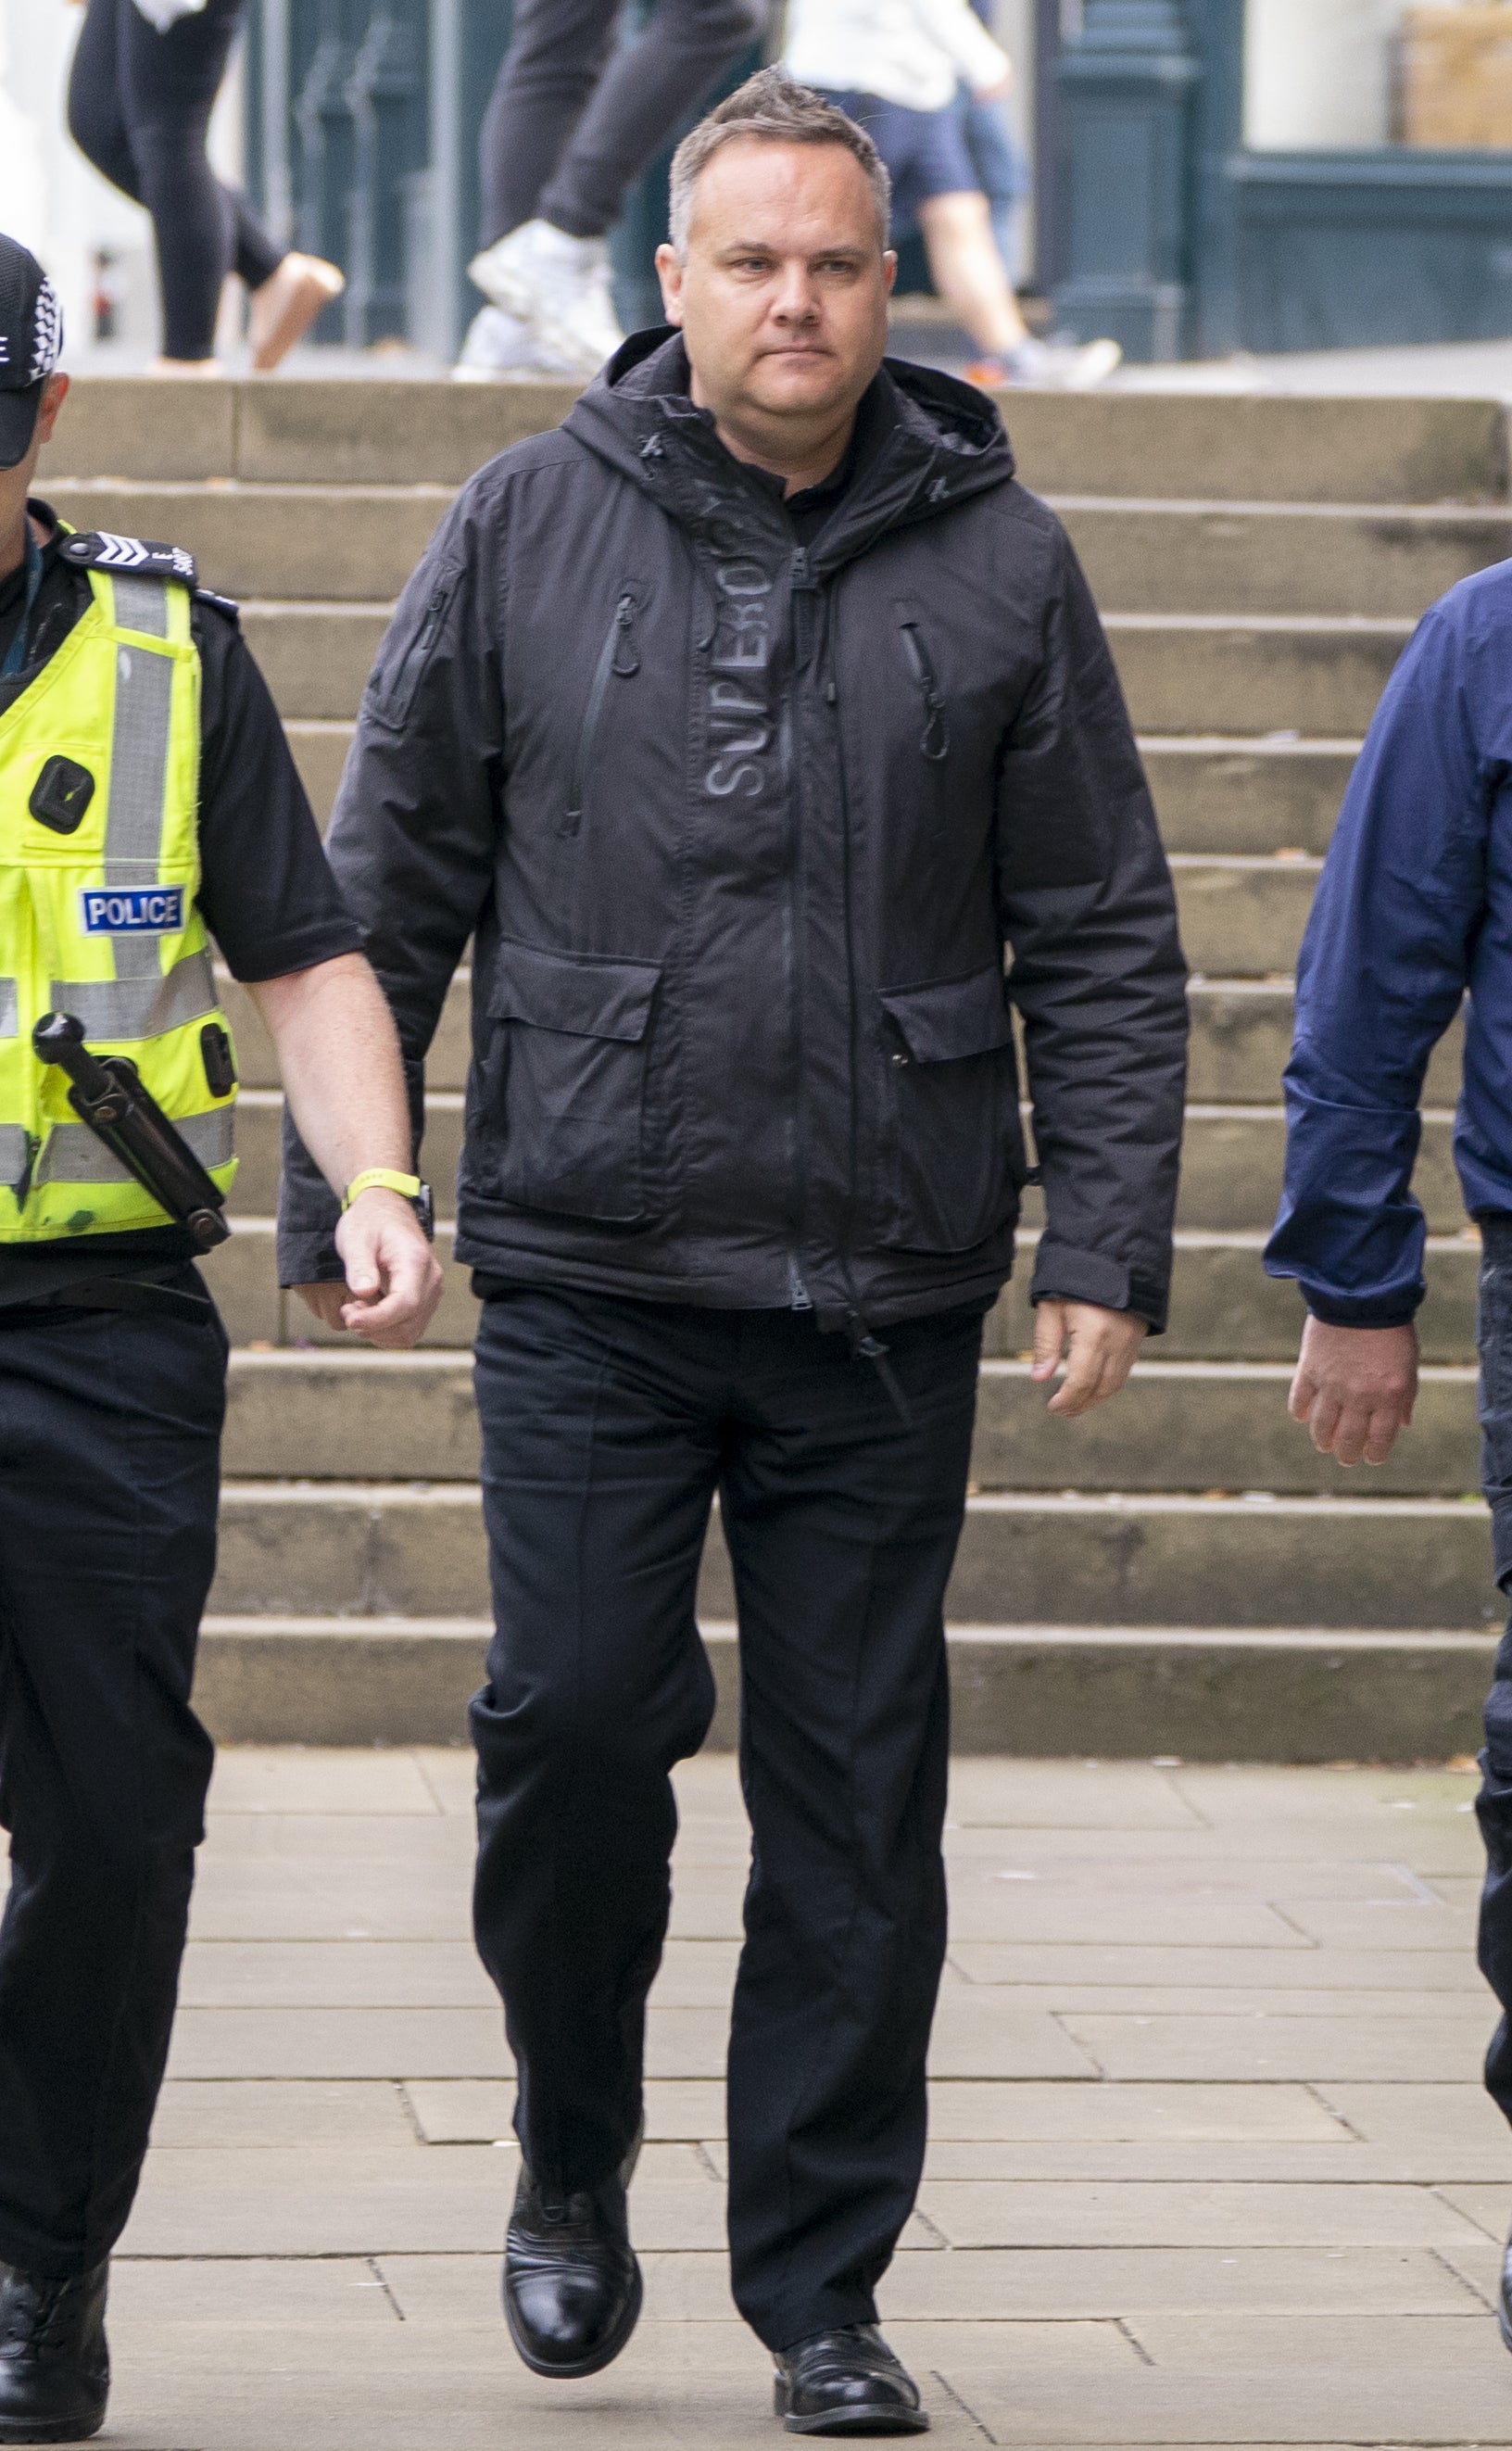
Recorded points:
(499, 345)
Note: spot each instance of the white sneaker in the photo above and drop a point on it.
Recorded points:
(499, 345)
(558, 284)
(1060, 365)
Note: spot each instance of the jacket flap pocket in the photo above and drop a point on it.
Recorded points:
(954, 1017)
(577, 993)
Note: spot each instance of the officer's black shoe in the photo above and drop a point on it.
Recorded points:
(846, 2382)
(1503, 2303)
(54, 2365)
(572, 2284)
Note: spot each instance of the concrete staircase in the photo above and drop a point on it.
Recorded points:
(1179, 1573)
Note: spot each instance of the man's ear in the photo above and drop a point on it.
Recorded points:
(889, 269)
(52, 400)
(669, 272)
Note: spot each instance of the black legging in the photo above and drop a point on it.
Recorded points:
(573, 118)
(139, 108)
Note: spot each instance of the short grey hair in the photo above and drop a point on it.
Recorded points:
(774, 107)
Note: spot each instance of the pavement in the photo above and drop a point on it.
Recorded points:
(1210, 2163)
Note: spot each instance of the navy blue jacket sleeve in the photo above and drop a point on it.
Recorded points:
(1384, 965)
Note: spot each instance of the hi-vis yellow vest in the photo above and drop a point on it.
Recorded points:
(99, 904)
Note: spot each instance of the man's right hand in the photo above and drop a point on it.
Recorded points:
(1355, 1388)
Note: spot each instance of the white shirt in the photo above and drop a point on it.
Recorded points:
(908, 51)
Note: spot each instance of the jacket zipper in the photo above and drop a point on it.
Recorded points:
(936, 738)
(617, 655)
(799, 1296)
(399, 697)
(864, 1345)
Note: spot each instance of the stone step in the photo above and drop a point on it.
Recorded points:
(1182, 673)
(1247, 798)
(396, 1549)
(1231, 1176)
(1124, 1693)
(1223, 1303)
(1265, 557)
(1244, 919)
(1240, 1045)
(1179, 1425)
(1247, 448)
(351, 540)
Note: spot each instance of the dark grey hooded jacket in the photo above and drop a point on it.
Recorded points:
(743, 831)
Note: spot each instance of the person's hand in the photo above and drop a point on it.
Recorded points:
(1355, 1388)
(1099, 1346)
(394, 1280)
(999, 86)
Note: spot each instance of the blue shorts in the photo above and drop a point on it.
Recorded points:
(924, 150)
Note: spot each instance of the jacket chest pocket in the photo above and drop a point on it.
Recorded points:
(574, 1082)
(954, 1152)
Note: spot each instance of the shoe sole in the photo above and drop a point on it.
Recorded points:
(862, 2421)
(603, 2356)
(54, 2433)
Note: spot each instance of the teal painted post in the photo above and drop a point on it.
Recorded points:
(1127, 80)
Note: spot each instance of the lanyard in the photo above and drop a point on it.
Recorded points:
(15, 662)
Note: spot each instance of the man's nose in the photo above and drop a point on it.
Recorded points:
(796, 300)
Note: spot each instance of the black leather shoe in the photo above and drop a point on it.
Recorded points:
(54, 2365)
(846, 2382)
(572, 2284)
(1503, 2303)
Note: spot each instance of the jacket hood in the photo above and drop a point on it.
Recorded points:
(940, 441)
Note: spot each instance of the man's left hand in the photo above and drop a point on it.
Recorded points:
(1099, 1348)
(394, 1280)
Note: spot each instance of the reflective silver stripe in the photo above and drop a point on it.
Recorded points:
(129, 1008)
(15, 1153)
(139, 768)
(9, 1015)
(74, 1155)
(141, 604)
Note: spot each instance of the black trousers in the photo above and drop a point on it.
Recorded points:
(575, 116)
(139, 108)
(109, 1455)
(608, 1428)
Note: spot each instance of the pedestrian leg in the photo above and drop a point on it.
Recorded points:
(843, 1525)
(110, 1430)
(600, 1453)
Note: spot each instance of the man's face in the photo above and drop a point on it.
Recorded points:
(783, 299)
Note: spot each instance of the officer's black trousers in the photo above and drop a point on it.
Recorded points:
(110, 1435)
(608, 1428)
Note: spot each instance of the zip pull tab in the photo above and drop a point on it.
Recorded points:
(867, 1346)
(803, 574)
(626, 661)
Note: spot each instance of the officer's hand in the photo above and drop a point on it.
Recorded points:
(394, 1280)
(1355, 1388)
(1099, 1346)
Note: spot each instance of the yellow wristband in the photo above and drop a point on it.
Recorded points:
(409, 1187)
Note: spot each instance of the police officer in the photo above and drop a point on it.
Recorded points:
(147, 801)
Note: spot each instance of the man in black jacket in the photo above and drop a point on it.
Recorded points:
(745, 723)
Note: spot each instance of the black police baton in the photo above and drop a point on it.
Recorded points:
(107, 1092)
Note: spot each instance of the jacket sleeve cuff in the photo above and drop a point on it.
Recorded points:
(1062, 1274)
(307, 1257)
(1399, 1312)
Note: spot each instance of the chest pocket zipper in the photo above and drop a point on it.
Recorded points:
(616, 656)
(935, 741)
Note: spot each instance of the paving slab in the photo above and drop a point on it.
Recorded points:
(991, 2212)
(1384, 2045)
(217, 2116)
(1350, 1972)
